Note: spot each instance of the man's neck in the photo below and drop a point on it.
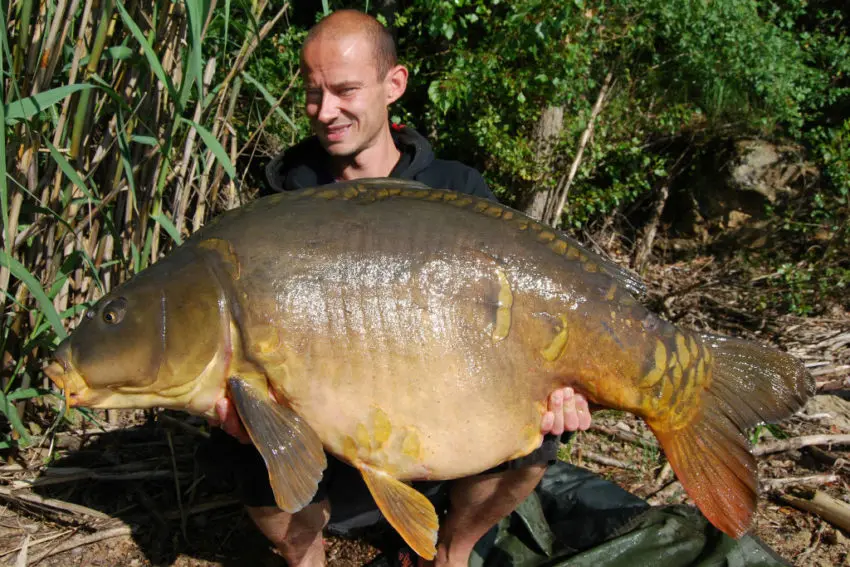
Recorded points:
(378, 160)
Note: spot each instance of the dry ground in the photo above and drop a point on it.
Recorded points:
(135, 497)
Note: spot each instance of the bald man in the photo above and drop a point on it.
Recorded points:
(352, 76)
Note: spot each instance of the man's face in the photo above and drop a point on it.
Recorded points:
(346, 100)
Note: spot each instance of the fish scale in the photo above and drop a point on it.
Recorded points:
(416, 334)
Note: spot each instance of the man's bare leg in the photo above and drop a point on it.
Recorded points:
(476, 504)
(297, 536)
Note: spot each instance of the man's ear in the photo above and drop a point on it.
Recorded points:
(395, 83)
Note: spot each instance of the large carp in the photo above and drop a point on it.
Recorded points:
(416, 334)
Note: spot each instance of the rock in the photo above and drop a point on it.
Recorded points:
(767, 169)
(731, 187)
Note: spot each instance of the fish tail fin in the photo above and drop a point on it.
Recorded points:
(745, 384)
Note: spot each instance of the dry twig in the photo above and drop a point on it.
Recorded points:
(799, 442)
(22, 556)
(662, 480)
(87, 540)
(663, 496)
(607, 461)
(824, 506)
(624, 435)
(51, 503)
(84, 474)
(777, 483)
(38, 541)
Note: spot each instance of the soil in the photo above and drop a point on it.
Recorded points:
(130, 475)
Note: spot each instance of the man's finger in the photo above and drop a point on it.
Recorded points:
(548, 422)
(556, 406)
(571, 421)
(583, 412)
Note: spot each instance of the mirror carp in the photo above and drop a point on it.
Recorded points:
(416, 334)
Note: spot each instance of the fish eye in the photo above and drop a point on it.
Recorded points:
(114, 311)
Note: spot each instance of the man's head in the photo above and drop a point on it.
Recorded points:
(350, 70)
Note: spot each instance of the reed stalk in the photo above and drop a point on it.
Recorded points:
(123, 145)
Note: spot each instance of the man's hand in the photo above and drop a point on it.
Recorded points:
(568, 411)
(228, 420)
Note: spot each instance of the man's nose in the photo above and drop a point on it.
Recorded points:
(328, 108)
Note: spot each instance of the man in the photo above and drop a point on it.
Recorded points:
(351, 75)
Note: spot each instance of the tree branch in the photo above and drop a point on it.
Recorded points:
(559, 196)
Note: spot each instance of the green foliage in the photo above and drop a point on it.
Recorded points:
(124, 144)
(482, 72)
(121, 150)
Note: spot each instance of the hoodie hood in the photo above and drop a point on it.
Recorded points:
(416, 152)
(307, 164)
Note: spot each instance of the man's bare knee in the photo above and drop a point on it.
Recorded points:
(297, 536)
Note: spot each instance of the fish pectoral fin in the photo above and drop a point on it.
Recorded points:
(406, 509)
(293, 452)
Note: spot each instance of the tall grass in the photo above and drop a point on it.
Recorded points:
(122, 124)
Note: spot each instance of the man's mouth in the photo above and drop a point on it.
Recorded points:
(336, 133)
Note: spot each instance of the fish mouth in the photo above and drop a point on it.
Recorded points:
(61, 372)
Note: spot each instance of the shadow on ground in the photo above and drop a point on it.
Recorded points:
(129, 474)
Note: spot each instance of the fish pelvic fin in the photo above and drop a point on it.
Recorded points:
(746, 384)
(293, 452)
(406, 509)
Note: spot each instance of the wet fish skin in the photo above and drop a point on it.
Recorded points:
(418, 333)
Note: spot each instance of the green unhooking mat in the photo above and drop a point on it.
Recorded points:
(577, 519)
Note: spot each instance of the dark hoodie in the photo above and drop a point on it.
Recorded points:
(307, 164)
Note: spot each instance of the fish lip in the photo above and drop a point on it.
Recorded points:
(62, 374)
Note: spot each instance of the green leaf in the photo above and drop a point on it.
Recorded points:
(196, 21)
(4, 190)
(214, 146)
(75, 310)
(137, 259)
(126, 158)
(269, 99)
(148, 50)
(169, 227)
(146, 140)
(19, 271)
(69, 171)
(28, 107)
(226, 20)
(11, 413)
(118, 52)
(27, 393)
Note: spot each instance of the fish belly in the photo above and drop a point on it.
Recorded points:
(417, 413)
(426, 341)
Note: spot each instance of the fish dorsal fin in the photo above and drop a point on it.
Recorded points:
(386, 183)
(406, 509)
(624, 276)
(370, 190)
(292, 451)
